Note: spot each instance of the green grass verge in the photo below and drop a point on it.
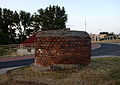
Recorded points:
(101, 71)
(110, 41)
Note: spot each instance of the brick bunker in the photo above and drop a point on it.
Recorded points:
(57, 47)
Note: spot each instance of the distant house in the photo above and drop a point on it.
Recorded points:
(117, 36)
(98, 37)
(27, 46)
(102, 36)
(30, 40)
(94, 37)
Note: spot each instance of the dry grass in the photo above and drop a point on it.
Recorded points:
(4, 79)
(101, 71)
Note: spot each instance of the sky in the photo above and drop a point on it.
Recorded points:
(101, 15)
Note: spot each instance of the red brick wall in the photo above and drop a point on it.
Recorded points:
(62, 50)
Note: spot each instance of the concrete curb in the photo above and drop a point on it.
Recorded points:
(95, 46)
(5, 70)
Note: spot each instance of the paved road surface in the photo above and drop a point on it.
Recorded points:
(105, 50)
(16, 63)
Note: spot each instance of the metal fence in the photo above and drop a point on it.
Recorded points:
(13, 50)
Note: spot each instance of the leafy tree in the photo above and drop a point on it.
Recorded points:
(51, 18)
(25, 22)
(103, 33)
(107, 33)
(111, 34)
(1, 19)
(3, 38)
(6, 24)
(36, 22)
(16, 21)
(7, 20)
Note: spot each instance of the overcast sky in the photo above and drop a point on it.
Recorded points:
(101, 15)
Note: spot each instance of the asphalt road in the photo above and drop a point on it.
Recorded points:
(16, 63)
(105, 50)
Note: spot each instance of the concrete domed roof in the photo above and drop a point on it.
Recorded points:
(61, 33)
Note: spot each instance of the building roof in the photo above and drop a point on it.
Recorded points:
(30, 40)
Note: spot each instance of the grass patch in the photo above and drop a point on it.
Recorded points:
(101, 71)
(110, 41)
(111, 59)
(115, 74)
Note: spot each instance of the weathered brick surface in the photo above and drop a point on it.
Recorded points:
(62, 47)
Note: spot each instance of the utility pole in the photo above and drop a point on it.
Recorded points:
(85, 23)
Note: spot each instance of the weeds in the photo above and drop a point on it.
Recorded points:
(101, 71)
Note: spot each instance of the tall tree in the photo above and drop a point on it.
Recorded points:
(1, 20)
(7, 20)
(36, 22)
(6, 24)
(104, 33)
(25, 22)
(51, 18)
